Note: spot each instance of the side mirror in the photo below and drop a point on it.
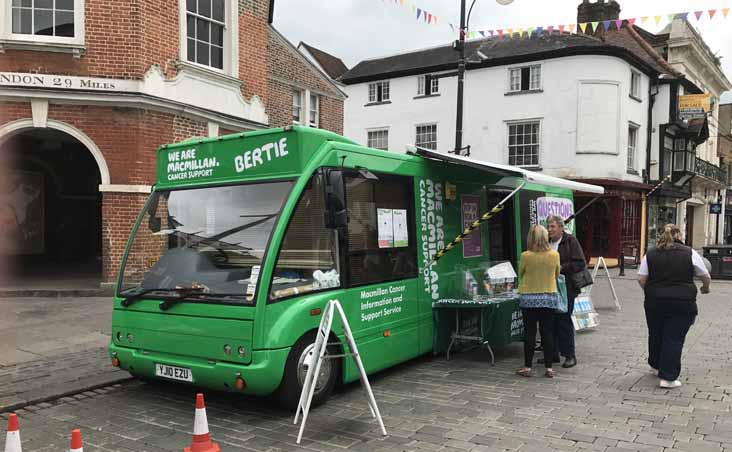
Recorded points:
(336, 215)
(154, 223)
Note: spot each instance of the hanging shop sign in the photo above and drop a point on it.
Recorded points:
(694, 106)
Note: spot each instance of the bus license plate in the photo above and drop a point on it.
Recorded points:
(174, 373)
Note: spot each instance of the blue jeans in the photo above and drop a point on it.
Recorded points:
(666, 335)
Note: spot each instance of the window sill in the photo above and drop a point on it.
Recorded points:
(531, 91)
(637, 99)
(633, 172)
(200, 70)
(530, 167)
(77, 50)
(372, 104)
(425, 96)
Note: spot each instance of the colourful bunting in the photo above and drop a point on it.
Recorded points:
(572, 27)
(510, 32)
(530, 31)
(594, 26)
(725, 11)
(561, 29)
(698, 14)
(419, 13)
(658, 20)
(550, 28)
(583, 27)
(631, 21)
(619, 24)
(500, 33)
(671, 18)
(540, 30)
(606, 24)
(644, 19)
(520, 32)
(683, 16)
(711, 13)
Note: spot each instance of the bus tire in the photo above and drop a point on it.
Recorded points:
(288, 393)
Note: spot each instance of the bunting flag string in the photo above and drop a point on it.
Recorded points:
(427, 17)
(607, 25)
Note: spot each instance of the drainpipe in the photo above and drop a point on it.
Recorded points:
(647, 177)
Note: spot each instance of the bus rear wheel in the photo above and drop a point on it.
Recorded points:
(299, 360)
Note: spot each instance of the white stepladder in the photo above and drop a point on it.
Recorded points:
(601, 260)
(318, 354)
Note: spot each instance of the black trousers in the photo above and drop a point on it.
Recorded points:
(666, 336)
(564, 330)
(545, 318)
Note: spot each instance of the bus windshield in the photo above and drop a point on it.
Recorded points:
(208, 242)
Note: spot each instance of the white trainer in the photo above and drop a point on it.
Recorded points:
(669, 384)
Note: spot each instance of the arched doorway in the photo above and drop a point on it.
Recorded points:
(50, 210)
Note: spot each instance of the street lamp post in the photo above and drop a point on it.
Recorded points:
(460, 47)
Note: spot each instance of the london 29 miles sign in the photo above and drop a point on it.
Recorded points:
(24, 80)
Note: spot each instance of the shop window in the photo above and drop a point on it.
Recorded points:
(631, 221)
(308, 259)
(381, 227)
(56, 21)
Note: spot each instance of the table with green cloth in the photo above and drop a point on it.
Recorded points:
(486, 321)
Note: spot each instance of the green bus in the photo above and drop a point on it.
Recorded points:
(245, 238)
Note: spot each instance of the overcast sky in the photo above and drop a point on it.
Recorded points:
(359, 29)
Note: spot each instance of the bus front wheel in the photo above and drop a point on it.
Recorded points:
(299, 360)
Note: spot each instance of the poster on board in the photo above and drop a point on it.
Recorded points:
(401, 228)
(470, 208)
(537, 206)
(385, 223)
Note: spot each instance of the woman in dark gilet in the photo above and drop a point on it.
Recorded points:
(667, 277)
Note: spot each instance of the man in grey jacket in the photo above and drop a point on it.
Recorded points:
(572, 260)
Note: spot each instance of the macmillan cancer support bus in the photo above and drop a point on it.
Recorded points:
(245, 237)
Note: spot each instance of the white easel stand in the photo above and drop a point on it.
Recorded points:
(601, 260)
(321, 344)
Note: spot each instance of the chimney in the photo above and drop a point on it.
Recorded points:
(598, 11)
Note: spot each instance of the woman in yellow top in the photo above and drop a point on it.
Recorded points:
(538, 273)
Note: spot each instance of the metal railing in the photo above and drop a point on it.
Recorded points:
(710, 171)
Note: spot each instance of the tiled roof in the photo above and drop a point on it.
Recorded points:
(624, 43)
(333, 66)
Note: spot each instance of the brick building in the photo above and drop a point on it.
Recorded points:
(90, 88)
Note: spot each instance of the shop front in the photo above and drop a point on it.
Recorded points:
(611, 225)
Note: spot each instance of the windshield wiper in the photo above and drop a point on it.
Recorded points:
(181, 291)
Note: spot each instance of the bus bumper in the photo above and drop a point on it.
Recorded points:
(262, 376)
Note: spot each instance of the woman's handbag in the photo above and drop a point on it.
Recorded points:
(581, 279)
(562, 304)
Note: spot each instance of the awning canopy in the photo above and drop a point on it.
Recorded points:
(506, 170)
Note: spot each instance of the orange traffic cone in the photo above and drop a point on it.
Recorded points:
(201, 437)
(76, 445)
(12, 440)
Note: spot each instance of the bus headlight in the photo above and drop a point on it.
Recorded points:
(130, 338)
(227, 349)
(242, 351)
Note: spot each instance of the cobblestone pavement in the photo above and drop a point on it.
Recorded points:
(53, 346)
(609, 402)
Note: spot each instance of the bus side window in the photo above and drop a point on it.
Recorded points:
(307, 259)
(381, 227)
